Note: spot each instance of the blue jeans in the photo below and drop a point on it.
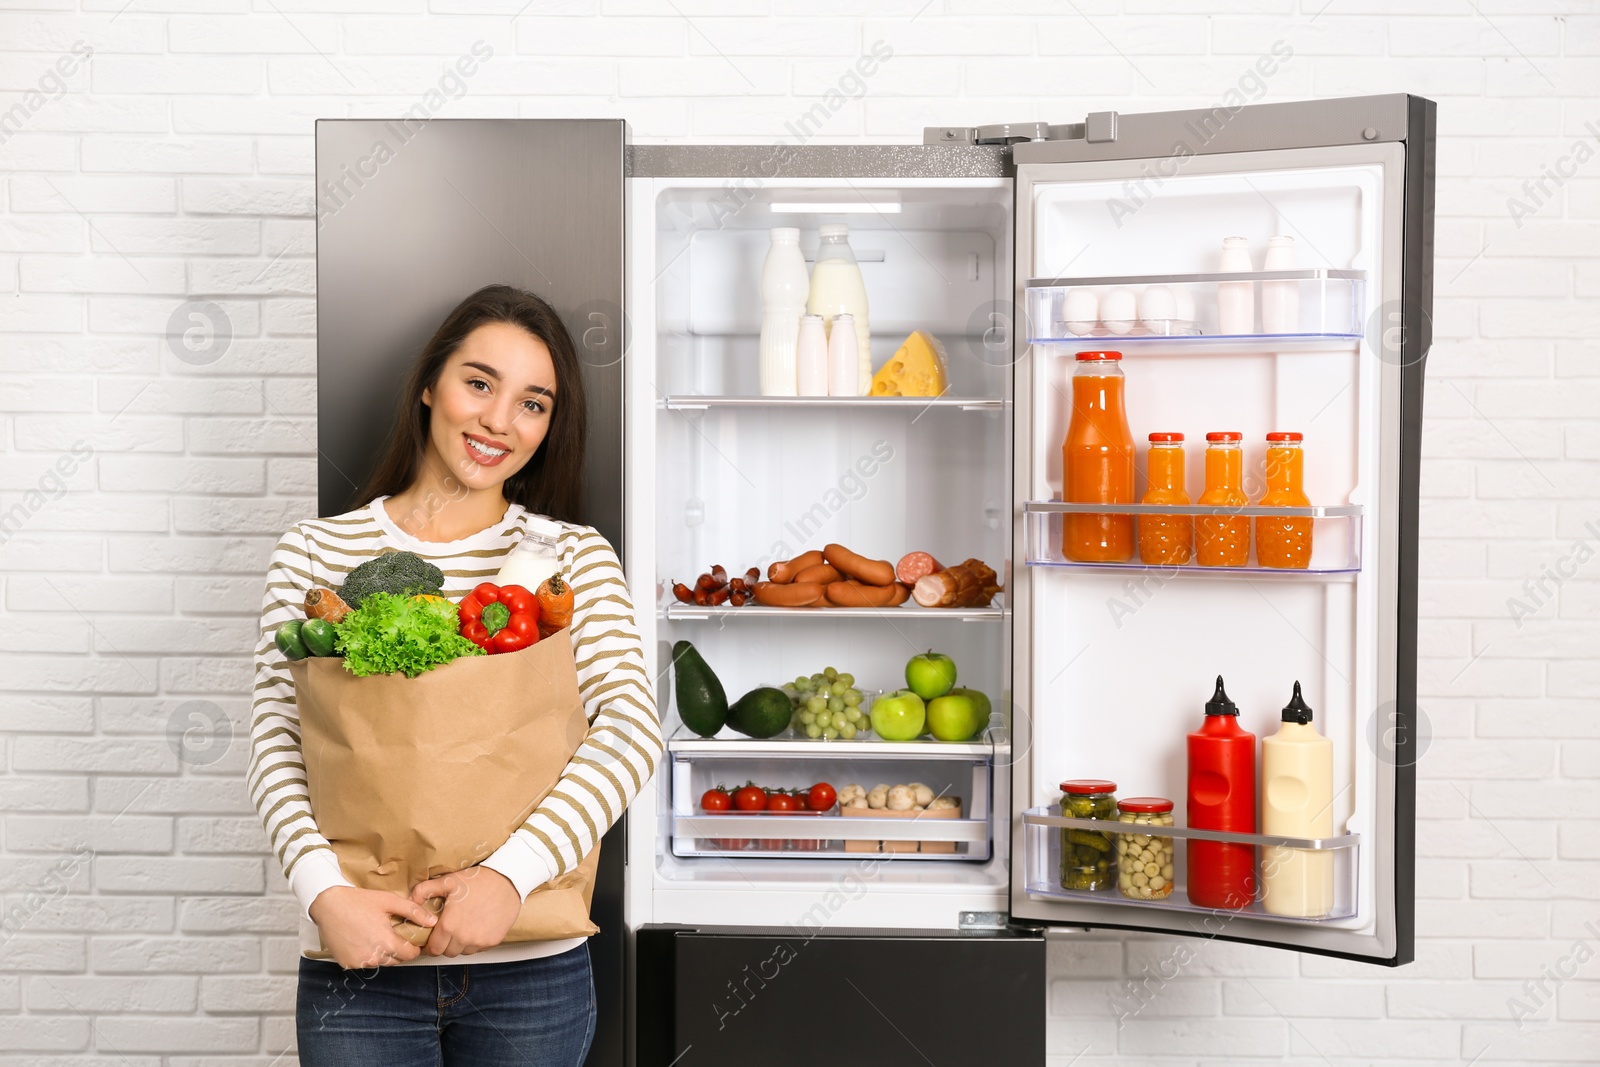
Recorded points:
(528, 1013)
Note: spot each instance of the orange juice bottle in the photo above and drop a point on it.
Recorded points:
(1167, 539)
(1222, 540)
(1097, 460)
(1284, 542)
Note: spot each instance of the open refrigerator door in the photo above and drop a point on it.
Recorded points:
(721, 475)
(1121, 246)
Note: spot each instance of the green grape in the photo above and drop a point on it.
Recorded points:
(853, 714)
(807, 718)
(829, 673)
(847, 679)
(852, 698)
(847, 731)
(830, 733)
(813, 730)
(802, 682)
(817, 703)
(818, 679)
(835, 704)
(837, 689)
(825, 719)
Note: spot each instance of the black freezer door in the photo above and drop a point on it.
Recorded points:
(1113, 665)
(414, 216)
(710, 997)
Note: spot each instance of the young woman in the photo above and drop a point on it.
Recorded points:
(490, 432)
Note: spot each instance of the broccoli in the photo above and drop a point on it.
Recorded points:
(402, 573)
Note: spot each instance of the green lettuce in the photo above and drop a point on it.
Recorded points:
(390, 633)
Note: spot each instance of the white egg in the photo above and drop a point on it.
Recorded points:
(1081, 310)
(1117, 310)
(1157, 308)
(1183, 304)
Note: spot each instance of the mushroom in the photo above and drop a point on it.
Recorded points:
(901, 798)
(923, 794)
(879, 797)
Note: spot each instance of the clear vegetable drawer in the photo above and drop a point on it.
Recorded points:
(803, 799)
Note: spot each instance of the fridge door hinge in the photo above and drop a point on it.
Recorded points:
(983, 920)
(1100, 127)
(997, 133)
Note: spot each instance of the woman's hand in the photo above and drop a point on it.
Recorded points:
(356, 926)
(480, 905)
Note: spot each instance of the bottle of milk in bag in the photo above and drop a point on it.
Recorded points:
(534, 558)
(837, 289)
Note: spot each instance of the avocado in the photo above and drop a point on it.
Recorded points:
(702, 703)
(762, 712)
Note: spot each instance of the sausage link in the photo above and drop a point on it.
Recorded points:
(864, 570)
(792, 595)
(785, 570)
(824, 573)
(852, 594)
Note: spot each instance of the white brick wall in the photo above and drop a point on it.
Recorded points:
(176, 163)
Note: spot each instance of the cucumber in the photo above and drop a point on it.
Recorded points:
(702, 702)
(318, 636)
(290, 643)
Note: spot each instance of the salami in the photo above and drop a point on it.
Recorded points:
(915, 565)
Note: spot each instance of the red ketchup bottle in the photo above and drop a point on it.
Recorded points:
(1222, 796)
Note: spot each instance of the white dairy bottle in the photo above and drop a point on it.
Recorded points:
(842, 352)
(785, 286)
(534, 558)
(1297, 801)
(1236, 301)
(811, 356)
(837, 289)
(1280, 301)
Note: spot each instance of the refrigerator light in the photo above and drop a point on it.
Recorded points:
(823, 207)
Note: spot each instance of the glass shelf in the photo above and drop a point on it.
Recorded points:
(1336, 537)
(690, 402)
(786, 746)
(1291, 309)
(1042, 829)
(908, 612)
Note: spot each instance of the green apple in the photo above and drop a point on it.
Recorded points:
(978, 698)
(955, 717)
(930, 674)
(899, 716)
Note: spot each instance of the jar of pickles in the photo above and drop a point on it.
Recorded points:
(1087, 857)
(1144, 861)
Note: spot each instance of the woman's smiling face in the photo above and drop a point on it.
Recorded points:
(491, 407)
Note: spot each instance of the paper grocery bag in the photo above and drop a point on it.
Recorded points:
(412, 778)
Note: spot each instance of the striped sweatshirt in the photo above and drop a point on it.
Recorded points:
(615, 760)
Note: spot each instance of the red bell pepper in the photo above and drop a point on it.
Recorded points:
(499, 618)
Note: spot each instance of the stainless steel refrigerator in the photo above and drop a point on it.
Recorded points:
(993, 239)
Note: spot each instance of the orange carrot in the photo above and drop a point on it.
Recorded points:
(555, 605)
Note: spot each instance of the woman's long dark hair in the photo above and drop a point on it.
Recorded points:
(551, 483)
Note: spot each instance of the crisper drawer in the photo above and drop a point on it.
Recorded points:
(956, 825)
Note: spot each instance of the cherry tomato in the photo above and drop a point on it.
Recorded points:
(750, 798)
(822, 797)
(783, 802)
(715, 800)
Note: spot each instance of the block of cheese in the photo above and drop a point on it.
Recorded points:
(916, 369)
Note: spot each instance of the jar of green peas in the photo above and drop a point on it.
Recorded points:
(1088, 857)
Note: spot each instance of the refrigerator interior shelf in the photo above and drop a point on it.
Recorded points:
(1042, 831)
(691, 402)
(829, 826)
(1335, 538)
(733, 745)
(1281, 308)
(908, 612)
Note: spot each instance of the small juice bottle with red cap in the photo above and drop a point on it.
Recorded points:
(1165, 539)
(1097, 460)
(1223, 540)
(1284, 542)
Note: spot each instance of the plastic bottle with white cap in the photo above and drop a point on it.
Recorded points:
(837, 289)
(534, 558)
